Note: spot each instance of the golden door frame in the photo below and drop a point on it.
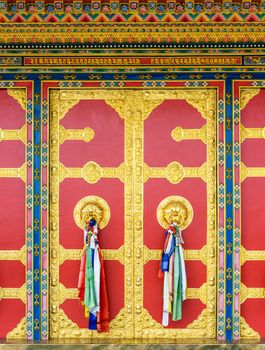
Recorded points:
(133, 321)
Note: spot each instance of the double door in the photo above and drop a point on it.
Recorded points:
(133, 148)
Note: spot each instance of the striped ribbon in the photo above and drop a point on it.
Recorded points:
(172, 268)
(91, 283)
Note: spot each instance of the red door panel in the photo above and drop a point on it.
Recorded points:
(12, 215)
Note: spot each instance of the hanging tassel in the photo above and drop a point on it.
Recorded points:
(172, 268)
(91, 284)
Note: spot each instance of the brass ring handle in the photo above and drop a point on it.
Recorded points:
(174, 209)
(92, 207)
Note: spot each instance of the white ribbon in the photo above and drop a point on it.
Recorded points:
(166, 288)
(168, 278)
(96, 263)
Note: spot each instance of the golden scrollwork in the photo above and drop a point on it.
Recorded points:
(19, 94)
(155, 254)
(246, 255)
(204, 320)
(66, 324)
(67, 293)
(114, 254)
(86, 134)
(92, 207)
(11, 135)
(175, 172)
(54, 310)
(198, 293)
(200, 99)
(246, 94)
(246, 332)
(122, 32)
(192, 293)
(15, 172)
(134, 106)
(196, 329)
(92, 172)
(66, 104)
(14, 255)
(14, 293)
(69, 98)
(251, 133)
(254, 293)
(174, 209)
(180, 134)
(69, 329)
(20, 331)
(250, 172)
(75, 254)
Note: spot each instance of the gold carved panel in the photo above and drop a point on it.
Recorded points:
(134, 106)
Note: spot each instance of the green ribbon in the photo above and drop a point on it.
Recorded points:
(177, 300)
(90, 294)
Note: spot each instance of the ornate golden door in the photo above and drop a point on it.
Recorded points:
(133, 148)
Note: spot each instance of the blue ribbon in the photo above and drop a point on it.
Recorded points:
(166, 256)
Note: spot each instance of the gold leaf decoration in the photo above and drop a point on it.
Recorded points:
(246, 95)
(19, 94)
(246, 331)
(19, 332)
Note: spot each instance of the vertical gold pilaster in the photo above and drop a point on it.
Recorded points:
(138, 214)
(54, 213)
(211, 104)
(128, 217)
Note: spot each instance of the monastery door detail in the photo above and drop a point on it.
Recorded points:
(251, 96)
(16, 251)
(133, 148)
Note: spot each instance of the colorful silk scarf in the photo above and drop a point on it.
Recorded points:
(91, 283)
(172, 267)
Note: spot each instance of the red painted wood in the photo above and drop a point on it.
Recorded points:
(155, 190)
(252, 156)
(107, 147)
(252, 213)
(71, 191)
(11, 108)
(12, 154)
(253, 274)
(11, 313)
(252, 116)
(12, 274)
(253, 312)
(159, 147)
(12, 213)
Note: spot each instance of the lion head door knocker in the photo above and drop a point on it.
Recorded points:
(174, 214)
(91, 214)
